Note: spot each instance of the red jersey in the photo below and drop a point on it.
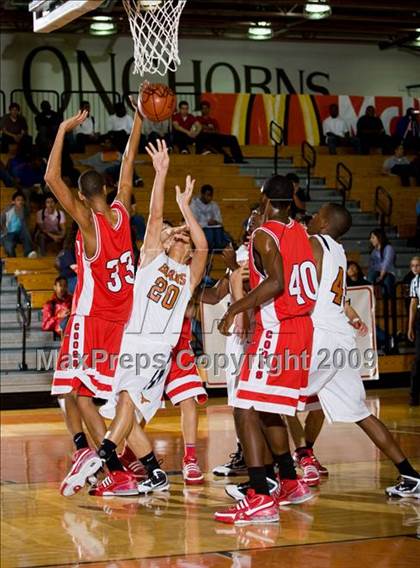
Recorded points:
(300, 278)
(208, 121)
(105, 281)
(185, 121)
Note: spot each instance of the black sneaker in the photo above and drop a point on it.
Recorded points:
(236, 466)
(407, 486)
(238, 492)
(158, 481)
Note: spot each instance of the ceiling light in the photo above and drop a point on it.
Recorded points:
(261, 30)
(102, 18)
(317, 9)
(103, 28)
(150, 5)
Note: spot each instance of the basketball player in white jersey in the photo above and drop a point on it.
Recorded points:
(163, 287)
(340, 391)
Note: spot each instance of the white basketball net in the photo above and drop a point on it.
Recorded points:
(154, 27)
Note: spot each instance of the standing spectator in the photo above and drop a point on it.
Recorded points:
(185, 127)
(14, 229)
(355, 276)
(153, 131)
(371, 132)
(399, 165)
(208, 215)
(66, 258)
(85, 133)
(119, 126)
(14, 128)
(56, 311)
(50, 225)
(210, 137)
(413, 334)
(408, 130)
(299, 197)
(47, 122)
(337, 133)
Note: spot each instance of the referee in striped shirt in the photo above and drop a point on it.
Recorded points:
(413, 334)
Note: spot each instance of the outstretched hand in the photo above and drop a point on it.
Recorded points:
(135, 103)
(159, 155)
(73, 121)
(183, 198)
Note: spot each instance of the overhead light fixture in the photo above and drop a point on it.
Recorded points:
(317, 9)
(150, 5)
(102, 26)
(260, 31)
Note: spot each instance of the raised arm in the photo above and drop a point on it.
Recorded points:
(199, 258)
(125, 184)
(152, 244)
(53, 179)
(270, 287)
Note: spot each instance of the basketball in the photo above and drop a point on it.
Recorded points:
(157, 102)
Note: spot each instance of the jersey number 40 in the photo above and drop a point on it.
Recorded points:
(304, 277)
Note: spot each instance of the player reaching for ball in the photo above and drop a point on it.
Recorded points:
(104, 258)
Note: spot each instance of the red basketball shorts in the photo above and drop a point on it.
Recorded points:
(88, 357)
(274, 373)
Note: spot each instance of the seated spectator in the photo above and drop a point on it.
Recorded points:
(13, 128)
(66, 258)
(208, 215)
(119, 126)
(85, 133)
(30, 171)
(153, 131)
(355, 276)
(337, 133)
(399, 165)
(210, 137)
(298, 207)
(185, 128)
(371, 132)
(50, 225)
(47, 122)
(408, 130)
(14, 229)
(56, 311)
(6, 178)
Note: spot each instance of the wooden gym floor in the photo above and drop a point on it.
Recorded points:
(349, 522)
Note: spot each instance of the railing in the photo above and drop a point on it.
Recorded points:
(343, 180)
(24, 310)
(30, 109)
(2, 102)
(101, 105)
(308, 154)
(277, 137)
(415, 87)
(383, 206)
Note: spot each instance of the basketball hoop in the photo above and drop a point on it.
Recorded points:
(154, 27)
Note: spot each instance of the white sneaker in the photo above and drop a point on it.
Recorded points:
(33, 254)
(407, 486)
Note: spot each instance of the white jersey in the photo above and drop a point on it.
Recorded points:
(162, 290)
(329, 313)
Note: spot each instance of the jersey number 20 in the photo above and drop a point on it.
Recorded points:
(161, 292)
(303, 276)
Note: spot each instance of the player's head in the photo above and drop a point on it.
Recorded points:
(180, 247)
(276, 197)
(60, 286)
(91, 186)
(332, 219)
(255, 220)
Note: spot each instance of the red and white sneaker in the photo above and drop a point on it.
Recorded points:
(85, 464)
(134, 467)
(293, 492)
(309, 453)
(253, 509)
(310, 471)
(322, 470)
(191, 472)
(116, 483)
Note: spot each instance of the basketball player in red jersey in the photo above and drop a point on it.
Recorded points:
(283, 282)
(103, 297)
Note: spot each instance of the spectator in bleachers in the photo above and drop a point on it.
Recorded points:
(208, 215)
(13, 128)
(56, 311)
(85, 133)
(408, 130)
(153, 131)
(14, 228)
(185, 128)
(66, 258)
(298, 207)
(413, 334)
(50, 225)
(5, 177)
(337, 133)
(30, 170)
(119, 126)
(210, 137)
(371, 132)
(399, 165)
(47, 122)
(355, 276)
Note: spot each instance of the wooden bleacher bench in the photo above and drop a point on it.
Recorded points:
(27, 265)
